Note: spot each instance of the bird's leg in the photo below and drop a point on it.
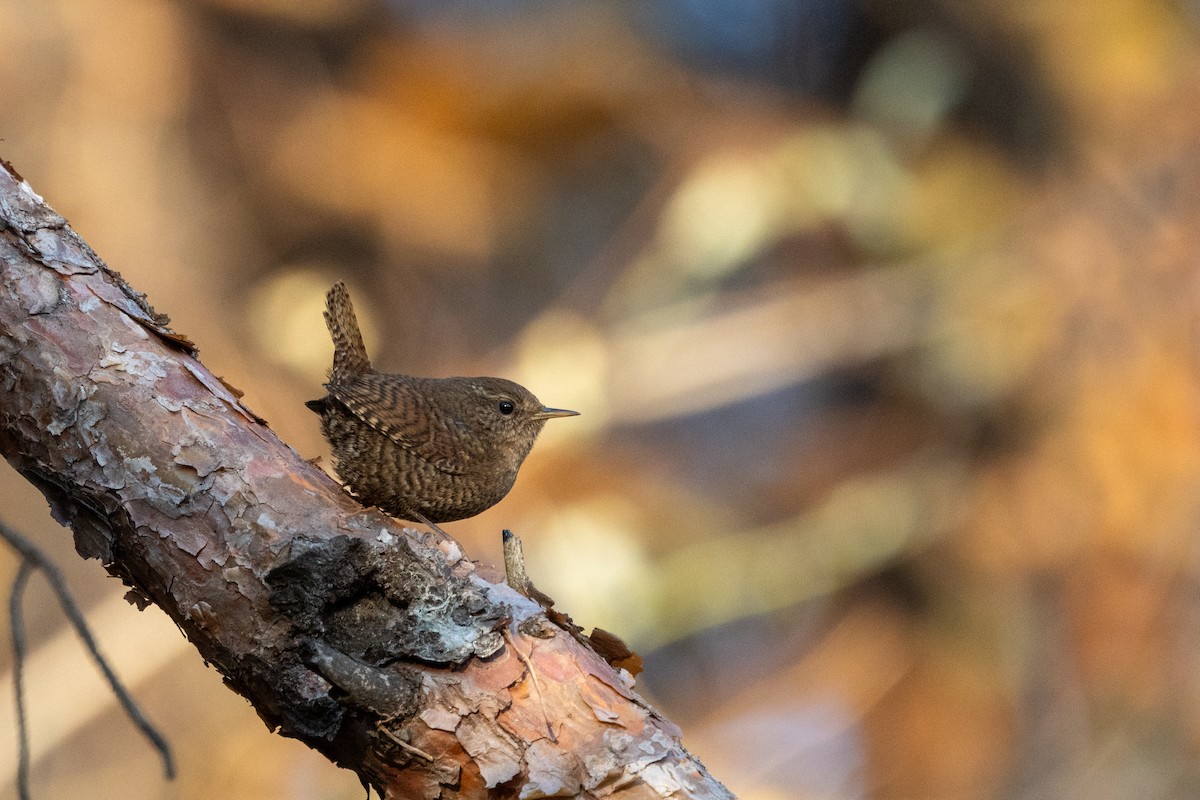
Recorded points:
(424, 520)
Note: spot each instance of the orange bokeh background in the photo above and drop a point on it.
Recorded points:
(884, 320)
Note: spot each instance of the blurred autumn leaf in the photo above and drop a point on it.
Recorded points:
(882, 317)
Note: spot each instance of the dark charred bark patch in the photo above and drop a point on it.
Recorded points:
(377, 602)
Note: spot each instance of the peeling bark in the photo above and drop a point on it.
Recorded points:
(385, 649)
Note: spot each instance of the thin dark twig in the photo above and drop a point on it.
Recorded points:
(34, 557)
(17, 627)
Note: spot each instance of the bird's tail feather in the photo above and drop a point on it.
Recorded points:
(349, 353)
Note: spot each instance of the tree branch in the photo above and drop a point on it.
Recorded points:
(33, 559)
(380, 647)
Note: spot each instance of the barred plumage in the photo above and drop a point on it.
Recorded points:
(441, 449)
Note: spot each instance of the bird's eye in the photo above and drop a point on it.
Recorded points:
(506, 407)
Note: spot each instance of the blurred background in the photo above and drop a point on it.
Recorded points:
(883, 317)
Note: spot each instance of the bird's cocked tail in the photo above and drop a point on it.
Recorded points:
(349, 353)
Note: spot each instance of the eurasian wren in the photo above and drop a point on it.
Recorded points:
(427, 449)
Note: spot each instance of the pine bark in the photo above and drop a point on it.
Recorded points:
(383, 648)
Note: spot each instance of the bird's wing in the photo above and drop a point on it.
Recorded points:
(401, 411)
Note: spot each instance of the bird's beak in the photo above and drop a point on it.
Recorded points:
(551, 413)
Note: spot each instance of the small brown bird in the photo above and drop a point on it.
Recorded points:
(425, 449)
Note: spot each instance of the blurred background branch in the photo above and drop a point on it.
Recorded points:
(882, 317)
